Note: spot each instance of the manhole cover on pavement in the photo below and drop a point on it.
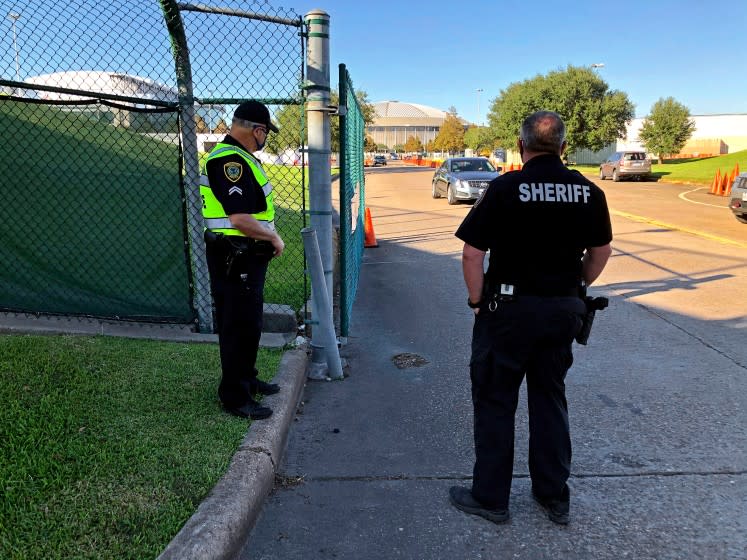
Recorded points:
(407, 360)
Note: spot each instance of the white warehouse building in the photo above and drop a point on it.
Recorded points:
(714, 135)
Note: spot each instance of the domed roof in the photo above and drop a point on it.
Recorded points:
(399, 110)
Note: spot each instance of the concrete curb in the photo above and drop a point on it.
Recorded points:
(222, 522)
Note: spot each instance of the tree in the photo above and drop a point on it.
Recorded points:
(479, 139)
(451, 136)
(368, 111)
(368, 144)
(289, 121)
(667, 128)
(221, 127)
(594, 115)
(413, 144)
(200, 124)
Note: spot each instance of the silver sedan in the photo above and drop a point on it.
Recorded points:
(464, 178)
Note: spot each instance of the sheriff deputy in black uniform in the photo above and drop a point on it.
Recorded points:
(240, 240)
(548, 231)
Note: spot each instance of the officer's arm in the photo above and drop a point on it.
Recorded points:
(251, 227)
(594, 261)
(472, 266)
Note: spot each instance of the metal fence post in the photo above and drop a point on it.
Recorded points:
(325, 321)
(200, 278)
(320, 177)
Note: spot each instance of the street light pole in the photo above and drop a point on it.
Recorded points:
(15, 17)
(479, 91)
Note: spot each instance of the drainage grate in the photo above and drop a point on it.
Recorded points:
(407, 360)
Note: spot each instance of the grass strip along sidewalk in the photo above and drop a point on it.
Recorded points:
(108, 445)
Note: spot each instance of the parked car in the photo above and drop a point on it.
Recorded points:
(393, 156)
(738, 203)
(463, 178)
(379, 160)
(621, 165)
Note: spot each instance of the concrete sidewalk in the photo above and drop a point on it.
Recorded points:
(658, 416)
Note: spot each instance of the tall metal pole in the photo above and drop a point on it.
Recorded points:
(15, 17)
(202, 300)
(320, 176)
(479, 91)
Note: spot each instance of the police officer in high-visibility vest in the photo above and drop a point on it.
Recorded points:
(548, 232)
(240, 240)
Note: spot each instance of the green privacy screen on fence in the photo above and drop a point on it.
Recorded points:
(92, 221)
(99, 215)
(352, 197)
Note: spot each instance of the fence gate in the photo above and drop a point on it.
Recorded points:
(352, 197)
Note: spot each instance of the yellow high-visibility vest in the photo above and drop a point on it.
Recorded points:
(215, 216)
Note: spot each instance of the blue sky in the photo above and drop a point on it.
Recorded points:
(439, 53)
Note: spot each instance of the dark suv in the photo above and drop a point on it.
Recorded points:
(379, 160)
(626, 164)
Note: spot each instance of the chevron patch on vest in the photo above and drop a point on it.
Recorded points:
(233, 171)
(234, 190)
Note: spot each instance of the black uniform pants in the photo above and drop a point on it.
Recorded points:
(238, 313)
(529, 336)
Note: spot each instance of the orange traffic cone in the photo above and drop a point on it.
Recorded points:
(725, 184)
(511, 167)
(733, 176)
(716, 184)
(369, 240)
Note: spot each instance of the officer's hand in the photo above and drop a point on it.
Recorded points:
(278, 245)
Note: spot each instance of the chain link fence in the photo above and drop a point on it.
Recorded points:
(352, 197)
(104, 133)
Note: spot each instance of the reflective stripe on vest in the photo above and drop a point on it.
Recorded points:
(217, 224)
(212, 210)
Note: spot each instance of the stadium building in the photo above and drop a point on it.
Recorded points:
(125, 85)
(396, 121)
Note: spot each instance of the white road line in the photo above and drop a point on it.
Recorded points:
(683, 197)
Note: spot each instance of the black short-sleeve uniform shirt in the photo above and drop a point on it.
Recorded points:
(233, 183)
(537, 222)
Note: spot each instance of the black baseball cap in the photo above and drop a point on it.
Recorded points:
(256, 112)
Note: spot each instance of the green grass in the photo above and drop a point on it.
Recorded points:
(108, 445)
(695, 171)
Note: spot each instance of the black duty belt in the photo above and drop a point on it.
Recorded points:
(508, 290)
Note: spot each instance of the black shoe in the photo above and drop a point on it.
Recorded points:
(557, 511)
(263, 388)
(252, 410)
(461, 498)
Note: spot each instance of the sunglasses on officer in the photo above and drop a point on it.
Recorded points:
(252, 124)
(259, 126)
